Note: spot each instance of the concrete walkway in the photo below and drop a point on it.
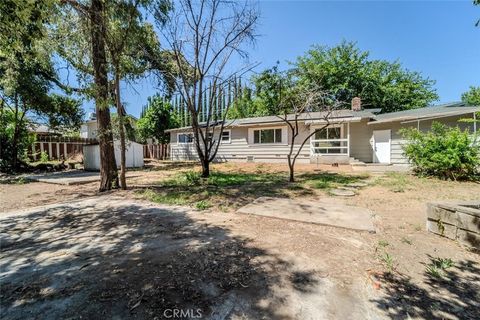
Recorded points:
(74, 177)
(328, 211)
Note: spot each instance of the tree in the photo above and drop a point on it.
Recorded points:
(472, 96)
(348, 72)
(202, 37)
(292, 102)
(27, 78)
(158, 117)
(84, 26)
(127, 37)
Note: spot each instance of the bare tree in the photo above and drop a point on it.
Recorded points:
(203, 36)
(305, 103)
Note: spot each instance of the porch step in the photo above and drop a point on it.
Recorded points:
(356, 162)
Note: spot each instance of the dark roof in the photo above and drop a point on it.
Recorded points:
(439, 111)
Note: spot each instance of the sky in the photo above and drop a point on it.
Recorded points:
(436, 38)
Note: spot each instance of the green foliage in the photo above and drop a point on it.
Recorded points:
(9, 149)
(438, 267)
(130, 125)
(328, 180)
(247, 106)
(472, 96)
(347, 72)
(28, 77)
(202, 205)
(444, 152)
(158, 117)
(44, 157)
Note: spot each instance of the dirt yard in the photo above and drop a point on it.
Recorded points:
(117, 255)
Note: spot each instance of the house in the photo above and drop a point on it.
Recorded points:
(353, 136)
(91, 152)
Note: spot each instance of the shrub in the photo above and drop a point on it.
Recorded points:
(44, 157)
(444, 152)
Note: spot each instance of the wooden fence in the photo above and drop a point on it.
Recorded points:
(156, 151)
(58, 148)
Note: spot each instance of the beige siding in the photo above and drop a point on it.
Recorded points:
(361, 141)
(241, 148)
(397, 155)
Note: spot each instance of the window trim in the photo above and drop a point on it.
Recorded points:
(251, 139)
(229, 136)
(185, 133)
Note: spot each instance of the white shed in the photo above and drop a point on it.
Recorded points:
(133, 154)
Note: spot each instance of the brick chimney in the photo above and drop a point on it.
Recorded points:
(356, 104)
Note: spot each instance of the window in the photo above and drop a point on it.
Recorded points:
(329, 141)
(329, 133)
(185, 138)
(267, 136)
(225, 136)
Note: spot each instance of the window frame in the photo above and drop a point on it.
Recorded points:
(223, 141)
(282, 135)
(185, 133)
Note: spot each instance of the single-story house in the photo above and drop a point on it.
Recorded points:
(353, 135)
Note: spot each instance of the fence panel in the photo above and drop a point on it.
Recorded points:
(156, 151)
(58, 148)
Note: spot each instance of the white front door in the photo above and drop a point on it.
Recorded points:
(381, 146)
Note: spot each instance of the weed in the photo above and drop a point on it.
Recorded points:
(44, 157)
(406, 240)
(394, 181)
(437, 267)
(387, 259)
(383, 243)
(202, 205)
(191, 177)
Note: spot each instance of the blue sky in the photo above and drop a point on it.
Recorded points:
(436, 38)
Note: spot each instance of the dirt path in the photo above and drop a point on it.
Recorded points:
(105, 255)
(114, 255)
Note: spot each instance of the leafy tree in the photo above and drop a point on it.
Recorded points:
(290, 100)
(28, 77)
(158, 117)
(472, 96)
(347, 72)
(444, 152)
(247, 105)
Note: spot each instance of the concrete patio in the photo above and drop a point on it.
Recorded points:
(326, 211)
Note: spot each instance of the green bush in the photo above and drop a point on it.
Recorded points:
(444, 152)
(44, 157)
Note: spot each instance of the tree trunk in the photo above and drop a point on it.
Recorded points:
(205, 168)
(291, 169)
(108, 167)
(121, 124)
(14, 159)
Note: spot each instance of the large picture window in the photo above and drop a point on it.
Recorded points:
(267, 136)
(185, 138)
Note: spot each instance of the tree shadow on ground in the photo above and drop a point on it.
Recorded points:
(105, 258)
(455, 295)
(236, 189)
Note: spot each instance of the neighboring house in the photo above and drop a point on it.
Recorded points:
(91, 153)
(353, 136)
